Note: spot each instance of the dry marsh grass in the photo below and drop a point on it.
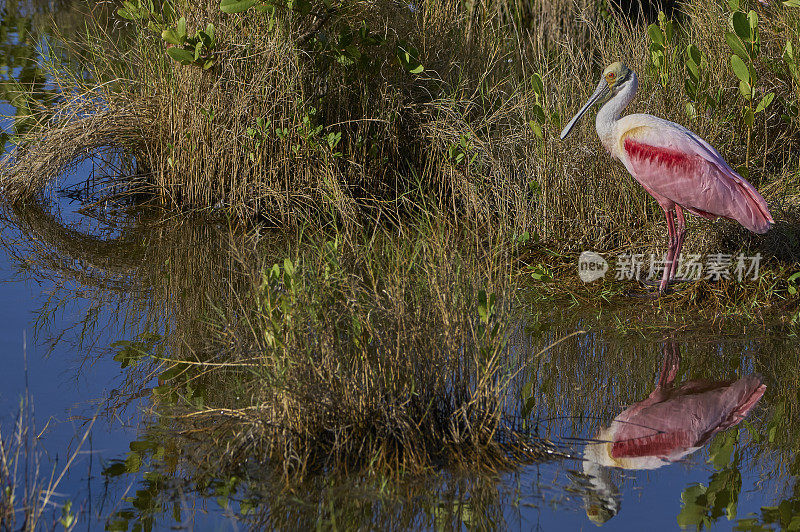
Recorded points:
(290, 124)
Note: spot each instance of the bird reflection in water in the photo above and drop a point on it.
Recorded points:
(671, 423)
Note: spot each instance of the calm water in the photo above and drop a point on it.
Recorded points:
(81, 288)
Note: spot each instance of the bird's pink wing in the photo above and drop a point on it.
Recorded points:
(687, 418)
(659, 444)
(676, 164)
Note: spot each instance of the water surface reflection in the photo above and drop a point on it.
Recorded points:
(151, 284)
(673, 422)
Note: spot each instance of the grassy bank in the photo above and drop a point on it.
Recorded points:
(349, 111)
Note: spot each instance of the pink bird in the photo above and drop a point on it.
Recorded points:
(675, 166)
(671, 423)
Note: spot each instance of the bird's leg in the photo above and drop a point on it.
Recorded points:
(681, 234)
(670, 214)
(670, 364)
(669, 370)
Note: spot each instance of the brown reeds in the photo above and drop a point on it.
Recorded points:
(288, 127)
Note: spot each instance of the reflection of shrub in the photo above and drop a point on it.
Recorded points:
(387, 356)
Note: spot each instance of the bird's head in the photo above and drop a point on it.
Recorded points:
(616, 77)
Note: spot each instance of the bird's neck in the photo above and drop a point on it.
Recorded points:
(608, 115)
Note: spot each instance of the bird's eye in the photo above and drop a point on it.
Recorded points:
(610, 77)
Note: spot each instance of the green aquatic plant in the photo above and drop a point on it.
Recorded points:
(540, 104)
(745, 41)
(791, 62)
(697, 85)
(661, 41)
(197, 49)
(462, 151)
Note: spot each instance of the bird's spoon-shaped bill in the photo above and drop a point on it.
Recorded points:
(599, 92)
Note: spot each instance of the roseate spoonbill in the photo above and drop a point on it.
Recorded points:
(671, 423)
(675, 166)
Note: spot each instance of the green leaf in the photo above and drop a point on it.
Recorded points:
(288, 267)
(655, 33)
(792, 3)
(538, 114)
(733, 4)
(741, 26)
(206, 39)
(538, 84)
(765, 101)
(541, 273)
(407, 55)
(184, 57)
(752, 20)
(180, 28)
(749, 117)
(667, 28)
(334, 139)
(658, 58)
(693, 53)
(528, 406)
(691, 112)
(740, 69)
(171, 37)
(788, 58)
(116, 469)
(694, 70)
(236, 6)
(721, 450)
(691, 88)
(132, 12)
(537, 129)
(745, 89)
(736, 45)
(753, 75)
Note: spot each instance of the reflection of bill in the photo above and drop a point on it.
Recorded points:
(671, 423)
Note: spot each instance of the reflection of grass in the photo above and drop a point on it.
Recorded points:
(344, 356)
(27, 30)
(363, 359)
(382, 353)
(28, 497)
